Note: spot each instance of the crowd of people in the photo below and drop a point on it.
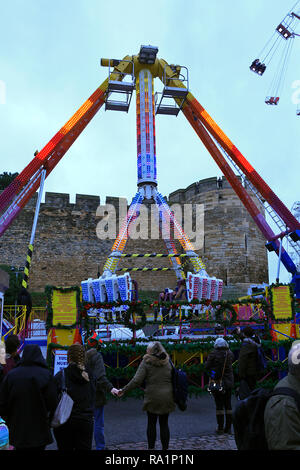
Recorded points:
(29, 396)
(219, 365)
(30, 393)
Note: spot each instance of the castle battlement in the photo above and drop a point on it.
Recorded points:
(83, 202)
(90, 203)
(203, 186)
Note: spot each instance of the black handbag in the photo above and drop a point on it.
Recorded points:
(217, 386)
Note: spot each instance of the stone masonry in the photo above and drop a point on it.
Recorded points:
(67, 249)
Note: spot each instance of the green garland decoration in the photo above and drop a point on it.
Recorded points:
(129, 348)
(136, 309)
(138, 347)
(222, 309)
(225, 314)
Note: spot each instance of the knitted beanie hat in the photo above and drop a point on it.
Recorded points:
(221, 343)
(294, 359)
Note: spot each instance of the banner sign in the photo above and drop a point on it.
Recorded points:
(282, 302)
(64, 306)
(250, 312)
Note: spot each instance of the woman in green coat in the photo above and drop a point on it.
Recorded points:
(156, 371)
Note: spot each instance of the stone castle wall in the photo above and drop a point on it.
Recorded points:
(67, 249)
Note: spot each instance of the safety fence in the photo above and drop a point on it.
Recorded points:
(14, 322)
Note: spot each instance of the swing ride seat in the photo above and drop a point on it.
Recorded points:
(258, 67)
(200, 287)
(283, 31)
(272, 100)
(278, 42)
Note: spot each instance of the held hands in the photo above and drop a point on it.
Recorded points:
(116, 392)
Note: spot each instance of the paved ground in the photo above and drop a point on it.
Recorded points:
(205, 442)
(125, 426)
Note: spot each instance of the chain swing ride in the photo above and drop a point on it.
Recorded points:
(279, 47)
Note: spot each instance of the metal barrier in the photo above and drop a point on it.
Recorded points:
(14, 317)
(14, 320)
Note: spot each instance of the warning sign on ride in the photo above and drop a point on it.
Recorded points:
(282, 302)
(64, 307)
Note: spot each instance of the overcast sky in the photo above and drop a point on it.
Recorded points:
(49, 63)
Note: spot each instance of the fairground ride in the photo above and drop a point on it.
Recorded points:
(278, 50)
(137, 72)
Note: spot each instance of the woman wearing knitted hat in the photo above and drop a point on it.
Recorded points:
(77, 432)
(219, 367)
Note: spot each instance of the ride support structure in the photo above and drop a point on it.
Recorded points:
(142, 69)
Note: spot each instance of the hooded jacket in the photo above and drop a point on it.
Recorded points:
(28, 400)
(282, 418)
(157, 375)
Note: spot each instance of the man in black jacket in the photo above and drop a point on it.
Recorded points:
(248, 359)
(95, 363)
(28, 400)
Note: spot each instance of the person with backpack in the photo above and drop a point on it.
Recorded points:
(248, 362)
(282, 414)
(156, 371)
(219, 367)
(270, 419)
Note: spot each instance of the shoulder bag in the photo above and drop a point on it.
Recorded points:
(64, 407)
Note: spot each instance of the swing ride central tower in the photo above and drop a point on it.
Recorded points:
(147, 175)
(145, 127)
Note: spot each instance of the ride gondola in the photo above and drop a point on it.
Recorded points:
(279, 45)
